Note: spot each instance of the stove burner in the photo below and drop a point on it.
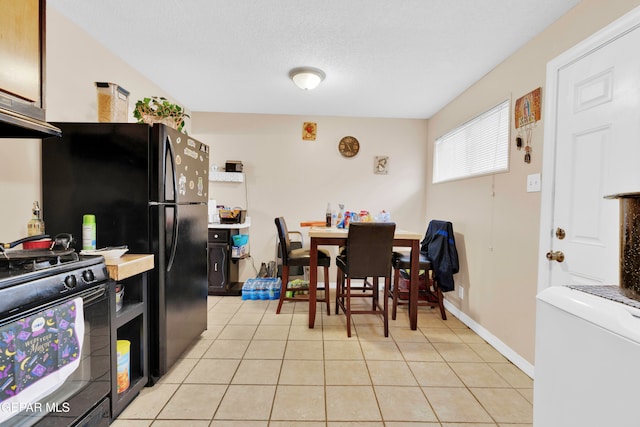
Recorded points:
(33, 260)
(40, 263)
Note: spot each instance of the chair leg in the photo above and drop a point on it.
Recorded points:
(327, 291)
(376, 290)
(396, 280)
(440, 301)
(385, 314)
(348, 311)
(338, 289)
(283, 289)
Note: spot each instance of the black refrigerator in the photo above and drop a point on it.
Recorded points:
(148, 189)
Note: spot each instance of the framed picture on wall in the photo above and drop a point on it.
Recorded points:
(381, 165)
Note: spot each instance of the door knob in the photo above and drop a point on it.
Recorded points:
(555, 256)
(560, 233)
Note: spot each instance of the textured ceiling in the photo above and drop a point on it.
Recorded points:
(382, 58)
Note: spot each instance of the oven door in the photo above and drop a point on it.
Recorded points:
(62, 370)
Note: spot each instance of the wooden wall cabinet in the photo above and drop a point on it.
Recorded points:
(20, 34)
(22, 70)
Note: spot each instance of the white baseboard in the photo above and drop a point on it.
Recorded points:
(502, 348)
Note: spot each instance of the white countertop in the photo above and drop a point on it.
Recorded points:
(245, 224)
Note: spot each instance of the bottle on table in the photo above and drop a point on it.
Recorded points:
(35, 226)
(328, 216)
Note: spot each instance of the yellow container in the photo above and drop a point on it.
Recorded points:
(123, 348)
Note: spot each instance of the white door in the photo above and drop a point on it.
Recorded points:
(597, 153)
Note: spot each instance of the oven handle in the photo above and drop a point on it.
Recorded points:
(89, 296)
(93, 295)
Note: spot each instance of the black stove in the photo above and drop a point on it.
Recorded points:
(55, 313)
(27, 282)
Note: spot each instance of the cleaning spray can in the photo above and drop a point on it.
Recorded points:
(89, 232)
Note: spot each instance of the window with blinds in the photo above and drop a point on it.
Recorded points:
(478, 147)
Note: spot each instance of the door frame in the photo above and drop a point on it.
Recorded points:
(616, 29)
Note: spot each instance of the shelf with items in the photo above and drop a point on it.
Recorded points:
(236, 226)
(226, 176)
(129, 323)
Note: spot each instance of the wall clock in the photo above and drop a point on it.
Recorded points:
(348, 146)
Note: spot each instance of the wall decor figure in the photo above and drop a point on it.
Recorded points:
(527, 112)
(381, 165)
(309, 130)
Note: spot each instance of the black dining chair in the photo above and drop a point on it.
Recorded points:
(429, 293)
(438, 260)
(367, 255)
(299, 257)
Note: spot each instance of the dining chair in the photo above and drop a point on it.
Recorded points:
(438, 260)
(299, 257)
(367, 254)
(429, 293)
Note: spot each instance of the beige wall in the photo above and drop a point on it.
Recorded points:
(494, 216)
(286, 176)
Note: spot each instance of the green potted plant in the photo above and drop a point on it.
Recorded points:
(158, 109)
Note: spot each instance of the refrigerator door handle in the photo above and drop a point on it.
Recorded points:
(174, 236)
(170, 172)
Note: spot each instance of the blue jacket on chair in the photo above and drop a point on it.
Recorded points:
(439, 246)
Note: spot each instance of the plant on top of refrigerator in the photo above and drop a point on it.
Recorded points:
(157, 109)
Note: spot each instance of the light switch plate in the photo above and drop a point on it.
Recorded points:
(533, 183)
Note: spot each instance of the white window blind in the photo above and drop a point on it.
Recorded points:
(478, 147)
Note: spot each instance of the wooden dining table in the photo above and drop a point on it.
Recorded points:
(331, 236)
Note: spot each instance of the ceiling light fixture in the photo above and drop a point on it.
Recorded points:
(306, 78)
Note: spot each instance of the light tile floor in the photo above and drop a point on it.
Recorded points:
(255, 368)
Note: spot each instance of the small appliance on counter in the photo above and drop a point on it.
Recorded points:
(233, 166)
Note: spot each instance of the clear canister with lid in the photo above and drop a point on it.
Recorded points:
(113, 102)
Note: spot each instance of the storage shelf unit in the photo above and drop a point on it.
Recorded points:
(130, 323)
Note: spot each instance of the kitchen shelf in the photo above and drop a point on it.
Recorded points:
(130, 323)
(129, 312)
(226, 176)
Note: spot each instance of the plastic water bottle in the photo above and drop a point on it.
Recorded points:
(275, 289)
(263, 292)
(328, 216)
(247, 290)
(255, 291)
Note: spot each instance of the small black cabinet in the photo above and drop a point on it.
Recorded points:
(222, 268)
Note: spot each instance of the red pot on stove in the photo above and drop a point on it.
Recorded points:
(38, 244)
